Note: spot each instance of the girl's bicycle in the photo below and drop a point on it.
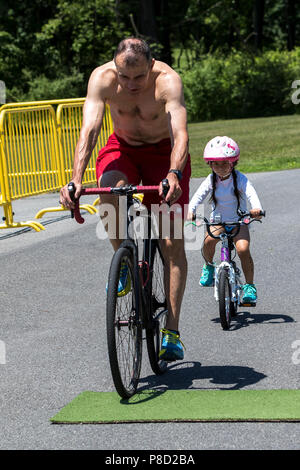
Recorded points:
(227, 279)
(142, 305)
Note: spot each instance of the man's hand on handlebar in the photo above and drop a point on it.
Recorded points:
(174, 191)
(67, 198)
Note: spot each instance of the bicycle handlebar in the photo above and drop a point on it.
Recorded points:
(119, 191)
(242, 220)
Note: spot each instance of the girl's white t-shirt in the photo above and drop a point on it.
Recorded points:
(227, 204)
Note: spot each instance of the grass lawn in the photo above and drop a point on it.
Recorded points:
(266, 144)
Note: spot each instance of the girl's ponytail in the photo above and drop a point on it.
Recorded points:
(235, 188)
(213, 196)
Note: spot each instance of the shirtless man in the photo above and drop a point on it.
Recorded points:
(149, 143)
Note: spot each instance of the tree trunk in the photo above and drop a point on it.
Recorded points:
(147, 20)
(164, 31)
(153, 25)
(258, 20)
(291, 24)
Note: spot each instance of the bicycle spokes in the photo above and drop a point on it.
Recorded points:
(124, 327)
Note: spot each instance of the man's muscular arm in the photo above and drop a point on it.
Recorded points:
(177, 120)
(93, 111)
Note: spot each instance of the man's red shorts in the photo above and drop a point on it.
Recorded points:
(147, 163)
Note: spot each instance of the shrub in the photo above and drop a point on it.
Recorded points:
(44, 88)
(241, 85)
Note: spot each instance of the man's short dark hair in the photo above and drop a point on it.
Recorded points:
(134, 48)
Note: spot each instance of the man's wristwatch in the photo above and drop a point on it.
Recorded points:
(177, 173)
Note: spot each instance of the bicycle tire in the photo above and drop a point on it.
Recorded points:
(225, 304)
(233, 309)
(124, 326)
(157, 307)
(234, 305)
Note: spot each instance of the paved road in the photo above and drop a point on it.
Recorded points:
(52, 325)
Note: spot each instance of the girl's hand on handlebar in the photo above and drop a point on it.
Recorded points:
(256, 214)
(190, 216)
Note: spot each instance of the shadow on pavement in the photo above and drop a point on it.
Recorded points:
(244, 319)
(188, 375)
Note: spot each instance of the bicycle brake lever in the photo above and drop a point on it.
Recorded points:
(72, 189)
(166, 187)
(75, 212)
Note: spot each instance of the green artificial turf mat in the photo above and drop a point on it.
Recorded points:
(182, 405)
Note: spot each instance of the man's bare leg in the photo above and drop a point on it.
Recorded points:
(175, 278)
(112, 179)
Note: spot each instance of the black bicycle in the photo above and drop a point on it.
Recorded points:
(143, 305)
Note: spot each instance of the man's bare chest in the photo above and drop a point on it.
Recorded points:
(147, 110)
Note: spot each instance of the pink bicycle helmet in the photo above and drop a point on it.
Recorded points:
(221, 149)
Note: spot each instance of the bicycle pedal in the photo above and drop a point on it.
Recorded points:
(247, 304)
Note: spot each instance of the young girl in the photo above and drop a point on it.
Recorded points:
(229, 190)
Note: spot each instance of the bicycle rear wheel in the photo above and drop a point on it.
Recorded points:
(225, 304)
(124, 326)
(157, 306)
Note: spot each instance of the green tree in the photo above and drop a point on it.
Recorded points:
(51, 50)
(48, 48)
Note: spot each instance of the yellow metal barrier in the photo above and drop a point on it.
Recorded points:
(37, 147)
(29, 154)
(26, 104)
(69, 121)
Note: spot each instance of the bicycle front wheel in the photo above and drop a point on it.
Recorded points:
(124, 327)
(157, 307)
(225, 304)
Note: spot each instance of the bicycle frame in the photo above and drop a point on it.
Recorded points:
(129, 242)
(148, 310)
(233, 271)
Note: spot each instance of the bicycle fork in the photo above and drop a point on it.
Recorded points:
(234, 281)
(233, 273)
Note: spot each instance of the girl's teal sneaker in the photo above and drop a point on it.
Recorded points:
(249, 294)
(207, 276)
